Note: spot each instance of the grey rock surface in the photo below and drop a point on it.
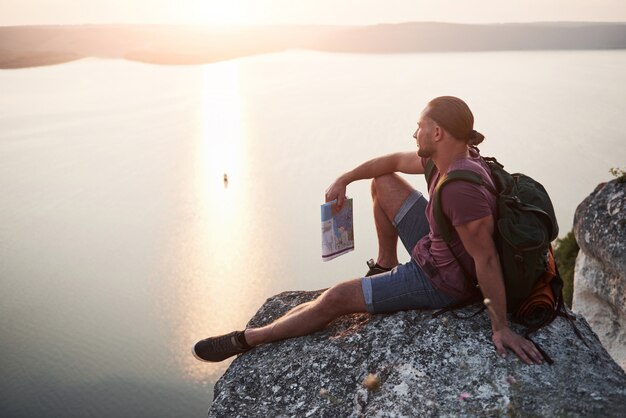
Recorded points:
(600, 274)
(425, 366)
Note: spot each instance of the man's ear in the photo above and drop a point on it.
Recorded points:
(438, 133)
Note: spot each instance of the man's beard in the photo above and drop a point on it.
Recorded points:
(424, 152)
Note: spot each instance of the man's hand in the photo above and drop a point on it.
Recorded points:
(337, 190)
(404, 162)
(505, 338)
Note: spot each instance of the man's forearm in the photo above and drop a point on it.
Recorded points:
(370, 169)
(477, 238)
(491, 284)
(375, 167)
(405, 162)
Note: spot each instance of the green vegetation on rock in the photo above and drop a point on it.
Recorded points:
(619, 173)
(565, 252)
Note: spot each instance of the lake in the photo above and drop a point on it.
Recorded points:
(121, 244)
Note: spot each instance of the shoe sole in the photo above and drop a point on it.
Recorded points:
(193, 352)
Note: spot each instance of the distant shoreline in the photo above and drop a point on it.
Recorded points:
(33, 46)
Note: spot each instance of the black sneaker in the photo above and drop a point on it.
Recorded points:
(219, 348)
(375, 268)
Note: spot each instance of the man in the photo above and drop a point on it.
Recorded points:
(434, 278)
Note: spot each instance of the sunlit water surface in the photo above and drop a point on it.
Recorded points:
(121, 244)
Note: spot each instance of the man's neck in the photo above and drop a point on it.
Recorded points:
(445, 159)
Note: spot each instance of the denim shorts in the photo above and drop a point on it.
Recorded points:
(406, 286)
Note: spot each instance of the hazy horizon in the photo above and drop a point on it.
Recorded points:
(262, 25)
(27, 46)
(320, 12)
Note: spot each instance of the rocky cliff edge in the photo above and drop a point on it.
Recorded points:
(411, 364)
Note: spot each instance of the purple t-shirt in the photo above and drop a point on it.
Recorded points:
(462, 202)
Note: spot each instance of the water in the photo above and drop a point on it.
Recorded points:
(121, 245)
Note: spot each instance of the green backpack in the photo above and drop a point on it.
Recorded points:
(525, 226)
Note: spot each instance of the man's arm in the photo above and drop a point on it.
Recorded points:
(477, 238)
(403, 162)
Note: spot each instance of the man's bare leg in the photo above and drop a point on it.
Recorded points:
(342, 299)
(388, 194)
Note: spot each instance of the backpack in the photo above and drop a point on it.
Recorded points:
(525, 226)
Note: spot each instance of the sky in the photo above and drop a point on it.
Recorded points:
(342, 12)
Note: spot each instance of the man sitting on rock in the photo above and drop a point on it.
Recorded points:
(433, 278)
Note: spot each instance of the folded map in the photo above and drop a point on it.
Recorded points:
(337, 229)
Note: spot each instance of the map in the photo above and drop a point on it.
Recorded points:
(337, 229)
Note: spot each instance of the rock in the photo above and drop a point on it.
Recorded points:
(600, 226)
(590, 300)
(417, 365)
(600, 273)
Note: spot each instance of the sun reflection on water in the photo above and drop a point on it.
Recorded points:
(221, 130)
(208, 296)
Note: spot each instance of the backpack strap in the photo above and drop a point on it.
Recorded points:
(445, 230)
(545, 355)
(429, 171)
(477, 298)
(443, 223)
(560, 310)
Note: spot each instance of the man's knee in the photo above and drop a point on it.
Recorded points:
(373, 188)
(341, 299)
(381, 183)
